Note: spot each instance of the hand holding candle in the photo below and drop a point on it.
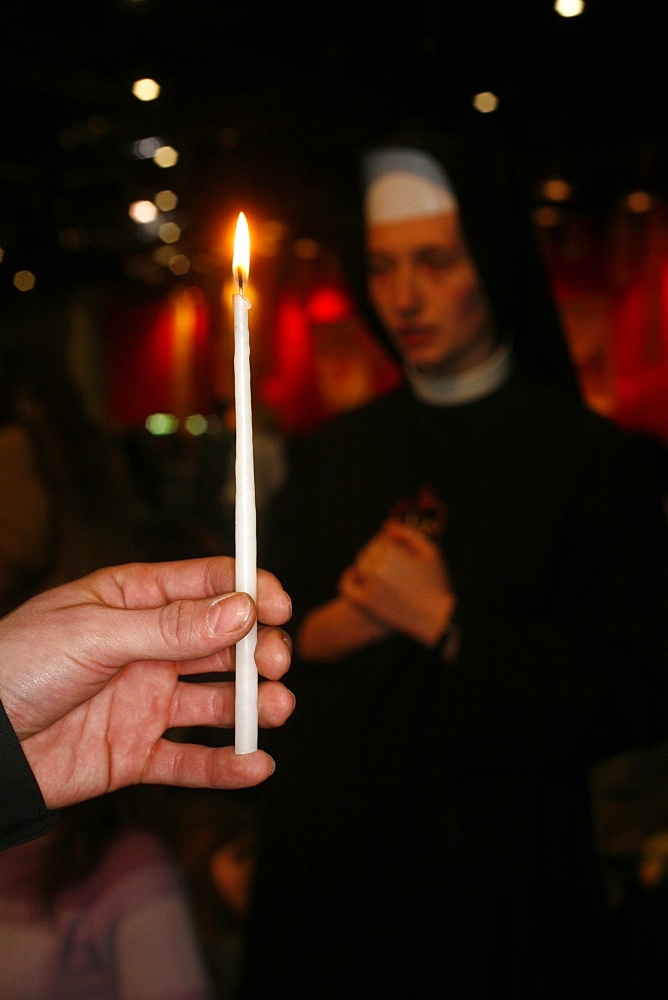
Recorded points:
(246, 720)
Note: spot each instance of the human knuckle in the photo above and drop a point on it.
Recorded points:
(176, 624)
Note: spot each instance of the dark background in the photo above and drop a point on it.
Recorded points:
(259, 99)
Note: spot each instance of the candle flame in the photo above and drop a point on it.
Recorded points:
(241, 258)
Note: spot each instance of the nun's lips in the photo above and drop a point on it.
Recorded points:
(415, 336)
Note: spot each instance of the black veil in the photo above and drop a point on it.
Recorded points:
(497, 224)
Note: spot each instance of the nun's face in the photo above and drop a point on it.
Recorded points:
(427, 292)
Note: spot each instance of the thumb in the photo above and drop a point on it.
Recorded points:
(187, 629)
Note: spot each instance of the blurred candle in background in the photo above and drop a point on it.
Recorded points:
(246, 722)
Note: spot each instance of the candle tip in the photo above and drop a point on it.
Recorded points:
(241, 258)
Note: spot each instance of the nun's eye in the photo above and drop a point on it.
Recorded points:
(439, 259)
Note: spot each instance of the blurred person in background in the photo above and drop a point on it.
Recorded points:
(640, 924)
(97, 908)
(67, 503)
(213, 837)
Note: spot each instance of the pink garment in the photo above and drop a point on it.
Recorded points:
(124, 933)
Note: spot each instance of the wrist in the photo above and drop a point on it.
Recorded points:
(436, 619)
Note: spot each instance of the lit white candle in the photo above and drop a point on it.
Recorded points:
(245, 731)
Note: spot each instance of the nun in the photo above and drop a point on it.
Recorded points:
(477, 564)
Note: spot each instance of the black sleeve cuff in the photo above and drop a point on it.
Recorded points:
(23, 813)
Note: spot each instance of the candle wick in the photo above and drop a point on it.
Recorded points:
(240, 280)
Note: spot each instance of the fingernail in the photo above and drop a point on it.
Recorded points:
(229, 614)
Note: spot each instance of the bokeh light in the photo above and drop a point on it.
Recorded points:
(166, 156)
(143, 211)
(24, 281)
(146, 89)
(485, 101)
